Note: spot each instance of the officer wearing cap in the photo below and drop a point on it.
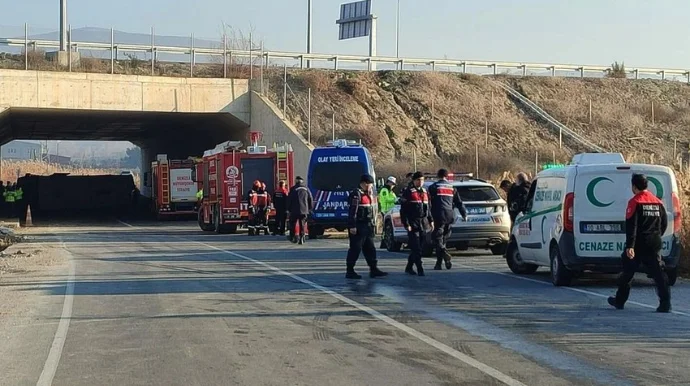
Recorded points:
(444, 200)
(361, 228)
(415, 213)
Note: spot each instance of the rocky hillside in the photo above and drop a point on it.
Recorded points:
(443, 116)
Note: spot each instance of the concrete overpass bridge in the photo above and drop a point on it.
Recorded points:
(175, 116)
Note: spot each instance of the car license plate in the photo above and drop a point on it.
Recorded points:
(613, 227)
(476, 210)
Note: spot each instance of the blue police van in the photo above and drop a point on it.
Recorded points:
(334, 172)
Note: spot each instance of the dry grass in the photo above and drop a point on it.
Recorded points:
(132, 66)
(10, 170)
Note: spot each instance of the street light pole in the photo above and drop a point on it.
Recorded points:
(309, 30)
(63, 25)
(397, 33)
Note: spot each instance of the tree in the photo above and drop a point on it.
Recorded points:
(132, 158)
(617, 71)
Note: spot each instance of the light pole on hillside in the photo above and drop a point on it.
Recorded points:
(63, 25)
(309, 30)
(397, 32)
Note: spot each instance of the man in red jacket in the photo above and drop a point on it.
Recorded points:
(645, 222)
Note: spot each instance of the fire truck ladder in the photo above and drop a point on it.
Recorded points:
(165, 183)
(283, 164)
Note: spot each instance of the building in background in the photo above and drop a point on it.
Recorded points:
(59, 159)
(21, 150)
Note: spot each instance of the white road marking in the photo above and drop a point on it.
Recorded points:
(125, 224)
(51, 364)
(488, 370)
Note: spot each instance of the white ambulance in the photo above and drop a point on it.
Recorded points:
(574, 220)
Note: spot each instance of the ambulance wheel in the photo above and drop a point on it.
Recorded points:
(389, 239)
(560, 275)
(515, 263)
(672, 276)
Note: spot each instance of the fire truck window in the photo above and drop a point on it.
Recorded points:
(206, 188)
(336, 176)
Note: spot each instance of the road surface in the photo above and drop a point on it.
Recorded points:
(165, 304)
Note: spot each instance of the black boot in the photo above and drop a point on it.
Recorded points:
(409, 270)
(438, 267)
(375, 272)
(612, 301)
(664, 306)
(446, 257)
(420, 270)
(351, 274)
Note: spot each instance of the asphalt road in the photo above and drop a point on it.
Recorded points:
(165, 304)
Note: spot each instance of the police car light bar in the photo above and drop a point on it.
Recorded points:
(343, 143)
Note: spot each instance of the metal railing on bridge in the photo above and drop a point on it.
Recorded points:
(336, 60)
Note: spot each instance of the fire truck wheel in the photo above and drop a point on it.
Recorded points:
(232, 228)
(204, 227)
(217, 226)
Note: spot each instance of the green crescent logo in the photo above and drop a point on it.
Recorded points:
(590, 192)
(658, 186)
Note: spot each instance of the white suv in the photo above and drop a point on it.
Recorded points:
(487, 225)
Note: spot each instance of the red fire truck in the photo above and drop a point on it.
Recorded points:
(228, 172)
(173, 187)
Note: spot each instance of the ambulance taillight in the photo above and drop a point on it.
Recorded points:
(568, 214)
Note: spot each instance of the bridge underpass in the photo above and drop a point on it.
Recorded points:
(179, 135)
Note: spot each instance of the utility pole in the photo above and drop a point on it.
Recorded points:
(63, 25)
(397, 33)
(309, 30)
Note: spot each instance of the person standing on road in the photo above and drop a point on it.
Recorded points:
(254, 202)
(444, 199)
(300, 204)
(415, 213)
(386, 200)
(517, 196)
(280, 204)
(645, 222)
(361, 231)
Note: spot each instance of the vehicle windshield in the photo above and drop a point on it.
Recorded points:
(336, 176)
(477, 193)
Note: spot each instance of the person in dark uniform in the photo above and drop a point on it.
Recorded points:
(300, 204)
(361, 230)
(280, 204)
(645, 222)
(444, 199)
(517, 196)
(415, 213)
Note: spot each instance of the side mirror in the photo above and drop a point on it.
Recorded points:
(146, 179)
(193, 173)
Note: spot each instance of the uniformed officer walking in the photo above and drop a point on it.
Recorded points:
(415, 213)
(444, 199)
(361, 229)
(645, 222)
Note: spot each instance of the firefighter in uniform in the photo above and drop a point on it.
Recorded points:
(258, 209)
(444, 199)
(361, 230)
(645, 222)
(415, 213)
(280, 203)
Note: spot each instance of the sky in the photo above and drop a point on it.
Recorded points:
(597, 32)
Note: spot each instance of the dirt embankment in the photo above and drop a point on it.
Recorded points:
(443, 117)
